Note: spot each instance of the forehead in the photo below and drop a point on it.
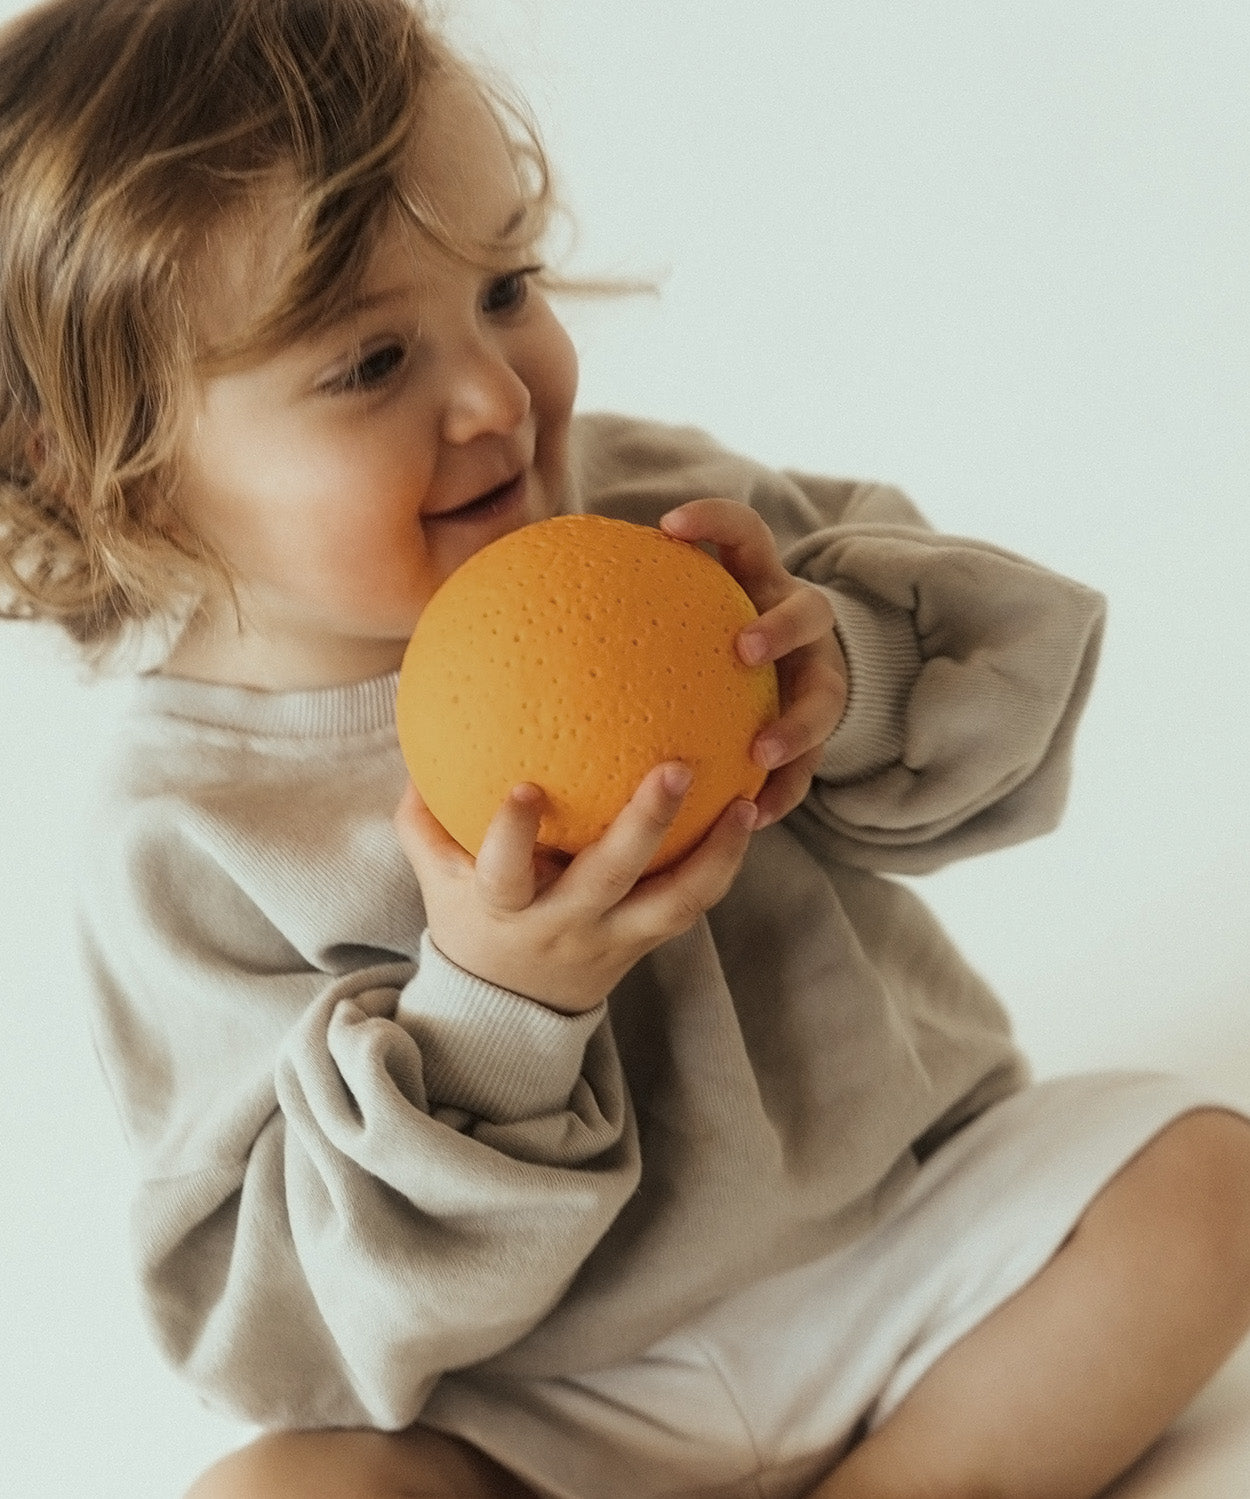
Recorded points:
(460, 179)
(462, 164)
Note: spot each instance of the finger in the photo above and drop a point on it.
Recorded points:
(422, 837)
(744, 543)
(609, 869)
(802, 618)
(814, 691)
(785, 789)
(549, 865)
(505, 867)
(669, 902)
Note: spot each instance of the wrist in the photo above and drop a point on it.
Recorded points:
(487, 1049)
(521, 980)
(882, 655)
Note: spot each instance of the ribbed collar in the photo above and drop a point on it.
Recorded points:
(359, 708)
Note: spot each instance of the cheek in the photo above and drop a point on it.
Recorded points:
(553, 382)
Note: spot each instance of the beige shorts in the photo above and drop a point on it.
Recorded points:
(766, 1391)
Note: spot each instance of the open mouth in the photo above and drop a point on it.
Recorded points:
(494, 502)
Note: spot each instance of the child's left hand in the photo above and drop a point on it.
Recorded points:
(794, 630)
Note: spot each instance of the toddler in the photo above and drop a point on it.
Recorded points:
(507, 1176)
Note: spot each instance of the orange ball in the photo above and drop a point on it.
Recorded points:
(577, 653)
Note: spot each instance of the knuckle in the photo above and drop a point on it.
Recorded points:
(617, 879)
(820, 606)
(807, 764)
(692, 899)
(790, 787)
(502, 895)
(652, 805)
(684, 910)
(578, 950)
(656, 811)
(827, 679)
(656, 822)
(750, 522)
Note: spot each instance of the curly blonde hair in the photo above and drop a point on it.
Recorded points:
(131, 131)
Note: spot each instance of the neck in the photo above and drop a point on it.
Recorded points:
(233, 656)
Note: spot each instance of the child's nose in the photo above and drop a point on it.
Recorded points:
(485, 395)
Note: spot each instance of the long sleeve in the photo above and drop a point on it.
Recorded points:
(971, 747)
(362, 1169)
(351, 1182)
(969, 666)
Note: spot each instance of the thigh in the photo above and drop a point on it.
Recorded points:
(350, 1464)
(1063, 1386)
(766, 1391)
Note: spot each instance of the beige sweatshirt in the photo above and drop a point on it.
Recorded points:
(362, 1168)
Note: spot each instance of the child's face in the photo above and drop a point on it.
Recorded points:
(343, 478)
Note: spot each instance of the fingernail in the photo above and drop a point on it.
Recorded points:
(677, 779)
(748, 815)
(752, 648)
(770, 753)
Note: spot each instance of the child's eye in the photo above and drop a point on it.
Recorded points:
(374, 369)
(508, 293)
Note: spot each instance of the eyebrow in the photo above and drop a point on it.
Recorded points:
(368, 301)
(362, 302)
(517, 217)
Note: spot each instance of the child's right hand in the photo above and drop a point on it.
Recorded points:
(565, 936)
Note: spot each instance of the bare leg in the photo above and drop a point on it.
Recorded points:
(1066, 1384)
(415, 1464)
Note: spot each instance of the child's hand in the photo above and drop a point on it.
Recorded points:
(564, 935)
(794, 630)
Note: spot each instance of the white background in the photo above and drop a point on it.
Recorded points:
(993, 253)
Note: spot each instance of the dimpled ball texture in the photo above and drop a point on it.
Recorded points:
(577, 653)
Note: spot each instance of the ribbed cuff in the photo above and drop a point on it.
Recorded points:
(883, 660)
(495, 1054)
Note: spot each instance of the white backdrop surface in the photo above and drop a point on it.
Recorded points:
(995, 254)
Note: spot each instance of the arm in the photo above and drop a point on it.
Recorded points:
(952, 694)
(967, 745)
(351, 1182)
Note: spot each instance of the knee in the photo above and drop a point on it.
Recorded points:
(1190, 1189)
(344, 1464)
(251, 1473)
(1206, 1160)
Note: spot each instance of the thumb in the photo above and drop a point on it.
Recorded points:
(421, 836)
